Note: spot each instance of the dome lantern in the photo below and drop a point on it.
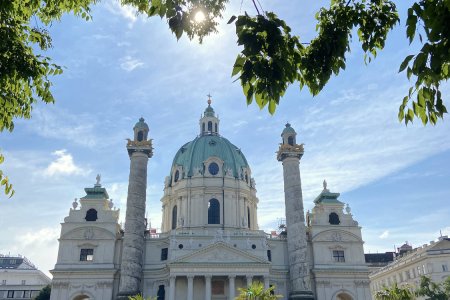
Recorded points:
(289, 135)
(209, 123)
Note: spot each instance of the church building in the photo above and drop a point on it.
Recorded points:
(210, 243)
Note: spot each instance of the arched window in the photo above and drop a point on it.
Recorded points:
(140, 136)
(291, 140)
(213, 211)
(161, 294)
(215, 127)
(209, 126)
(174, 217)
(91, 215)
(203, 127)
(248, 216)
(177, 176)
(333, 218)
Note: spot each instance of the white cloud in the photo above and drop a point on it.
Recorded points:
(125, 11)
(129, 64)
(63, 165)
(384, 235)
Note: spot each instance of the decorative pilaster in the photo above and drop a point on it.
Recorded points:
(172, 288)
(139, 150)
(290, 154)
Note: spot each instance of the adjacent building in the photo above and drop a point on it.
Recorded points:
(431, 260)
(210, 243)
(19, 278)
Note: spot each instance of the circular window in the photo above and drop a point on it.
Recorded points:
(180, 246)
(253, 246)
(213, 168)
(177, 176)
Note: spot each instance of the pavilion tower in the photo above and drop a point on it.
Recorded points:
(290, 154)
(140, 150)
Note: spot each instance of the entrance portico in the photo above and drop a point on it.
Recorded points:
(209, 286)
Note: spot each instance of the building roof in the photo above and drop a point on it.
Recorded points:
(379, 258)
(192, 154)
(327, 197)
(15, 262)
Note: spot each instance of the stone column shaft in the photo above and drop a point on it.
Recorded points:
(295, 222)
(231, 286)
(190, 288)
(133, 241)
(172, 288)
(207, 287)
(266, 282)
(249, 279)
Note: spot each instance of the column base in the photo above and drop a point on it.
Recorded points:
(304, 295)
(125, 295)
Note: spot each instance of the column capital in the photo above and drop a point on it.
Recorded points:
(285, 151)
(190, 276)
(232, 276)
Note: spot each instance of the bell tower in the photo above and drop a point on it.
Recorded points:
(140, 150)
(290, 154)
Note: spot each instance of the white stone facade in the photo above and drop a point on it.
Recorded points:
(210, 243)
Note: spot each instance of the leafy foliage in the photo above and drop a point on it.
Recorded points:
(140, 297)
(433, 291)
(256, 291)
(180, 14)
(4, 181)
(395, 293)
(431, 65)
(44, 294)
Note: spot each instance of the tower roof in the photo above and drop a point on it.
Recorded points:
(141, 124)
(288, 129)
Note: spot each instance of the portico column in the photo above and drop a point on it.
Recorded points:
(249, 280)
(266, 282)
(208, 287)
(172, 288)
(232, 289)
(190, 291)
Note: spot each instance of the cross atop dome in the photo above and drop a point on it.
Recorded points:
(209, 99)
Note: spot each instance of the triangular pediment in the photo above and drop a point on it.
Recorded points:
(219, 253)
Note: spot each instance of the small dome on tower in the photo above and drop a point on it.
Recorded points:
(288, 130)
(141, 124)
(209, 111)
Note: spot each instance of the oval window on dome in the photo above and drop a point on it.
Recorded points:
(213, 168)
(177, 175)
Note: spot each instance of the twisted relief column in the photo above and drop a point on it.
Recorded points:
(139, 150)
(300, 285)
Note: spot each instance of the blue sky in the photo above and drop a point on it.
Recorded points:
(120, 67)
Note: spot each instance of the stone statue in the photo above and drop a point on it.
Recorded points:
(111, 204)
(167, 181)
(75, 204)
(324, 185)
(98, 179)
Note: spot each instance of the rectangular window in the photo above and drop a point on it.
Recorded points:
(10, 294)
(269, 255)
(164, 253)
(338, 256)
(444, 268)
(27, 294)
(34, 294)
(218, 287)
(4, 282)
(87, 255)
(23, 282)
(18, 294)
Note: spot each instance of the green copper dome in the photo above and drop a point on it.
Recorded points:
(192, 155)
(288, 129)
(141, 124)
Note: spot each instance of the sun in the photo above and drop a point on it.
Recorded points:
(199, 17)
